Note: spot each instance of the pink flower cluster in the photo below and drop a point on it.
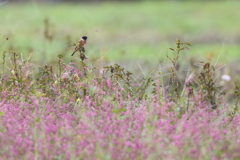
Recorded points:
(106, 123)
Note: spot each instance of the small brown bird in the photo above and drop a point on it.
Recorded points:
(81, 44)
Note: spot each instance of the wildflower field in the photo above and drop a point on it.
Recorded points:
(54, 106)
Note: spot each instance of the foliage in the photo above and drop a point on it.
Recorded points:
(74, 112)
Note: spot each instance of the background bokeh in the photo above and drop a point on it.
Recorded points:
(124, 32)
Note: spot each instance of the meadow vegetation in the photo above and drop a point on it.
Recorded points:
(78, 113)
(103, 108)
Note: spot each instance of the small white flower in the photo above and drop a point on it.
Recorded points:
(226, 77)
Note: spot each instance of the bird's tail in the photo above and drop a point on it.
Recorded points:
(73, 53)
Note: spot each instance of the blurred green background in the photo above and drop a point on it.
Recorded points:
(122, 31)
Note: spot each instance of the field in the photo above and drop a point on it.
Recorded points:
(139, 31)
(158, 80)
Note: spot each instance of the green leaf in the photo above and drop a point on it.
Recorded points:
(40, 69)
(188, 44)
(119, 111)
(37, 120)
(213, 68)
(9, 83)
(119, 75)
(107, 67)
(2, 113)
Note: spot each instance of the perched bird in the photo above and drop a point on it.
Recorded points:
(80, 45)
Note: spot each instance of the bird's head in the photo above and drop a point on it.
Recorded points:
(84, 38)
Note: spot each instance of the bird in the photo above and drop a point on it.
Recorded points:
(80, 45)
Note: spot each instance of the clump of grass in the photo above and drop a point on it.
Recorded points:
(237, 93)
(235, 110)
(174, 82)
(208, 87)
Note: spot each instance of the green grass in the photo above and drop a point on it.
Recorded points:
(125, 31)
